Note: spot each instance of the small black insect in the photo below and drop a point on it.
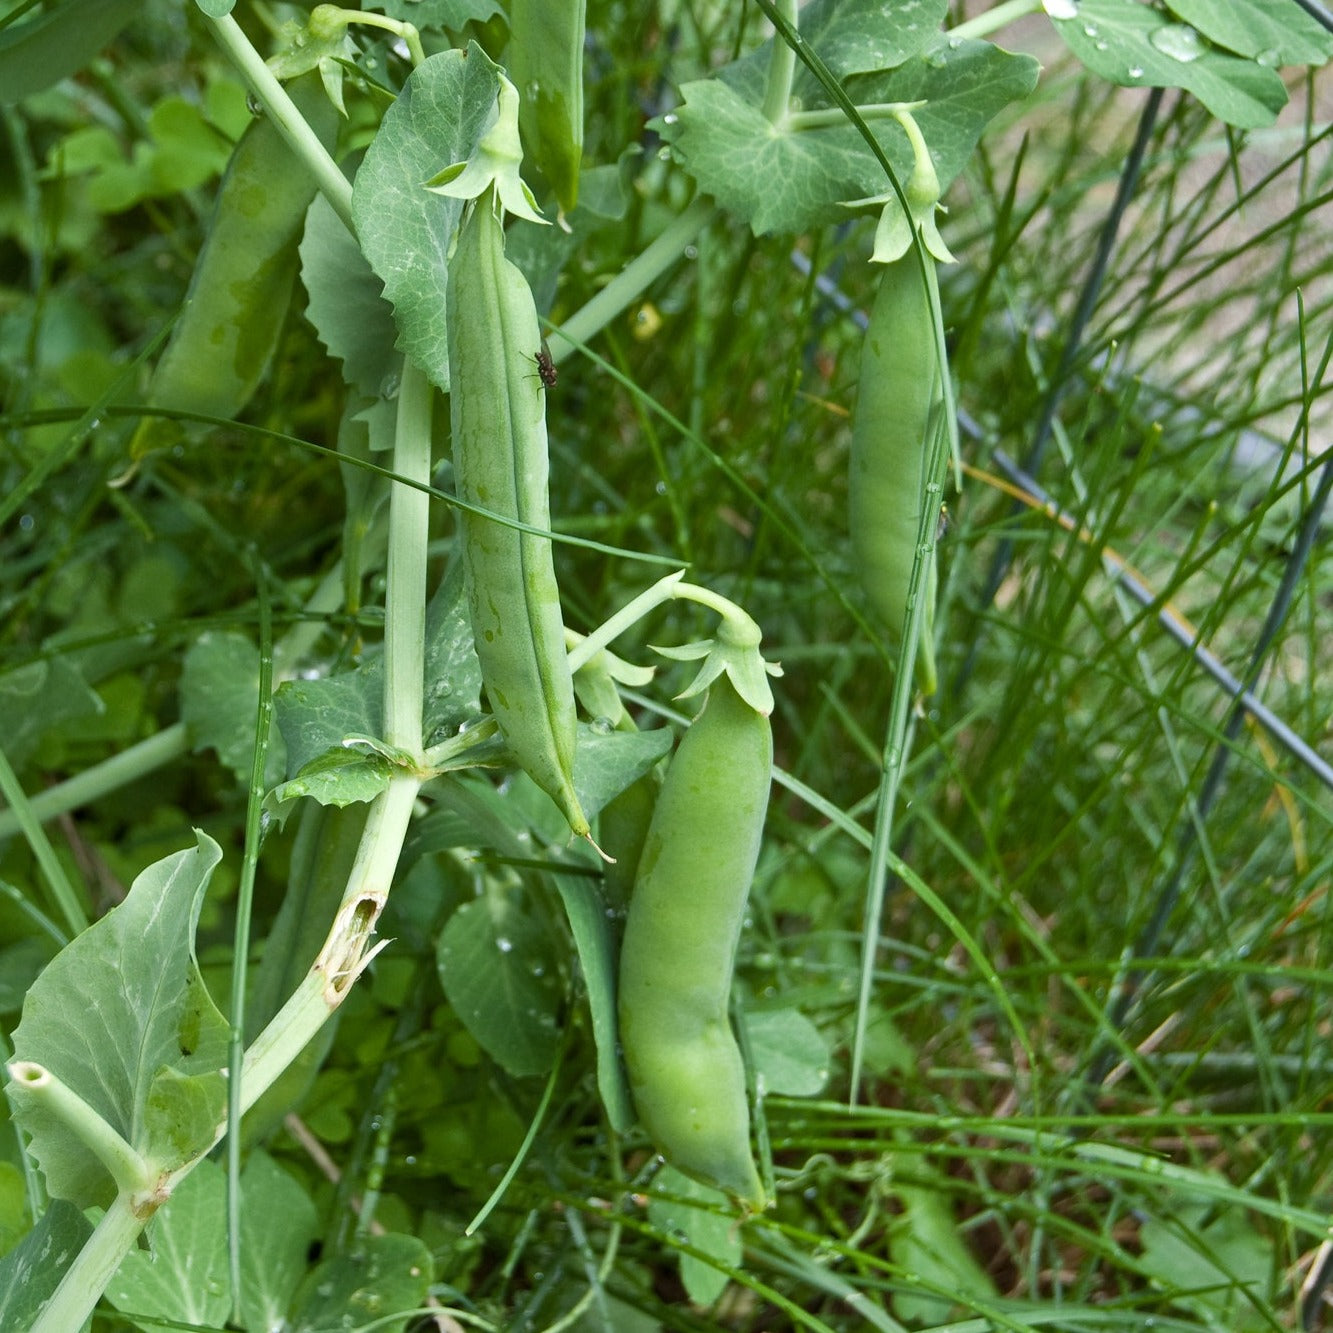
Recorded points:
(546, 367)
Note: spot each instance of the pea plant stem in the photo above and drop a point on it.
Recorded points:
(781, 68)
(93, 1267)
(271, 95)
(405, 594)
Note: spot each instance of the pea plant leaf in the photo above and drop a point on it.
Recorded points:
(1273, 32)
(405, 229)
(382, 1276)
(330, 725)
(38, 698)
(182, 1276)
(606, 762)
(220, 701)
(500, 974)
(42, 51)
(455, 14)
(279, 1223)
(32, 1270)
(703, 1224)
(788, 1051)
(1134, 46)
(585, 909)
(452, 672)
(785, 177)
(123, 1018)
(347, 305)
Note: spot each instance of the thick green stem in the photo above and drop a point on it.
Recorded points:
(781, 68)
(271, 95)
(94, 1266)
(633, 280)
(347, 949)
(832, 118)
(405, 593)
(37, 1083)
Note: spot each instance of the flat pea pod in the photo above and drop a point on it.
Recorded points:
(899, 406)
(498, 411)
(242, 281)
(545, 60)
(685, 1069)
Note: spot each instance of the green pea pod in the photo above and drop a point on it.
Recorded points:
(242, 281)
(685, 1069)
(498, 407)
(545, 60)
(898, 408)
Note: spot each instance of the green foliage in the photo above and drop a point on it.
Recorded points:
(1092, 1084)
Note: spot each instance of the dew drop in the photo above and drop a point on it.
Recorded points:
(1179, 41)
(670, 118)
(1135, 71)
(1061, 9)
(504, 944)
(1270, 57)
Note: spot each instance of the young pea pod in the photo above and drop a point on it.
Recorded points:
(545, 59)
(899, 407)
(685, 1068)
(242, 281)
(498, 412)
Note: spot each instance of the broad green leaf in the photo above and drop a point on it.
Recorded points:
(31, 1271)
(781, 178)
(1219, 1266)
(454, 14)
(42, 51)
(1273, 32)
(606, 762)
(35, 700)
(382, 1276)
(924, 1239)
(851, 37)
(710, 1228)
(122, 1017)
(183, 1274)
(337, 777)
(347, 305)
(597, 959)
(499, 971)
(13, 1207)
(316, 716)
(219, 692)
(789, 1054)
(452, 673)
(1137, 47)
(278, 1225)
(406, 230)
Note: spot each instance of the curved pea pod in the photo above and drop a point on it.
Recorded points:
(242, 281)
(899, 406)
(685, 1069)
(497, 406)
(545, 59)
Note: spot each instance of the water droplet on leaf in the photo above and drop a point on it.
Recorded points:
(1179, 41)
